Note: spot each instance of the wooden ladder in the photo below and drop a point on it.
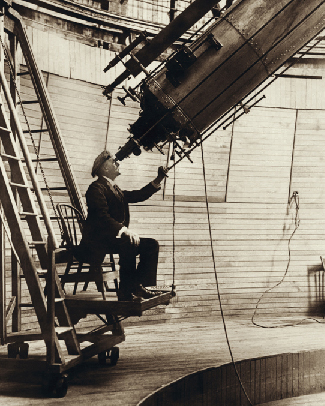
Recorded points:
(15, 26)
(13, 178)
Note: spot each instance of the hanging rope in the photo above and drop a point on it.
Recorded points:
(294, 198)
(30, 133)
(216, 278)
(230, 152)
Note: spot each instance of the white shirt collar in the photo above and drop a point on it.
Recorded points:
(110, 181)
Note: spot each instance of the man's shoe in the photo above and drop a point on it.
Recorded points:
(145, 293)
(128, 297)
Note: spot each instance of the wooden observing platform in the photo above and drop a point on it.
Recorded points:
(29, 229)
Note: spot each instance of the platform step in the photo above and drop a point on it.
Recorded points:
(93, 303)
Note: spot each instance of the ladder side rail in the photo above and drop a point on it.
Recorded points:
(3, 322)
(48, 112)
(21, 246)
(15, 269)
(50, 283)
(28, 160)
(26, 198)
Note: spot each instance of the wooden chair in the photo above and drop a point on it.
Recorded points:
(72, 222)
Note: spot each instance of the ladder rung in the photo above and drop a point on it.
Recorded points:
(61, 330)
(16, 158)
(55, 188)
(26, 213)
(41, 274)
(45, 160)
(19, 185)
(29, 102)
(26, 72)
(5, 129)
(37, 243)
(35, 131)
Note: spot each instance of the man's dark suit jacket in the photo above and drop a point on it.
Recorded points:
(108, 211)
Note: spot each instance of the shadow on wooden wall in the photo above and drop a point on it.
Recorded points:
(316, 291)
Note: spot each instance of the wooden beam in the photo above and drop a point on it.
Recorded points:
(3, 326)
(11, 307)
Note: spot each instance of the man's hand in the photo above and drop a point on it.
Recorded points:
(162, 172)
(134, 238)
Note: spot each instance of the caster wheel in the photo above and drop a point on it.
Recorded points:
(102, 356)
(114, 356)
(13, 350)
(23, 350)
(61, 387)
(55, 386)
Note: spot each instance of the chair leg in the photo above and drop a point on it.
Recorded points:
(103, 293)
(67, 270)
(101, 285)
(76, 283)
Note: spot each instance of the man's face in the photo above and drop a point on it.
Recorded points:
(109, 169)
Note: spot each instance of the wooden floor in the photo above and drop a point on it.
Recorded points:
(155, 355)
(317, 399)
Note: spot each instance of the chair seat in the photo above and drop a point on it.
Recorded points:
(85, 262)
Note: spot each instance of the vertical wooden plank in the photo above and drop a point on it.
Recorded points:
(245, 376)
(231, 380)
(72, 59)
(64, 60)
(257, 380)
(52, 52)
(97, 68)
(301, 373)
(224, 373)
(312, 372)
(252, 380)
(284, 376)
(262, 381)
(83, 58)
(278, 376)
(289, 393)
(44, 50)
(218, 385)
(210, 387)
(295, 375)
(307, 372)
(321, 368)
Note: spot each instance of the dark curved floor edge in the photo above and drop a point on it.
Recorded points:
(264, 379)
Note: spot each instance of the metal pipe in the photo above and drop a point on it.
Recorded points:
(166, 37)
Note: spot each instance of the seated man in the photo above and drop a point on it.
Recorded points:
(106, 228)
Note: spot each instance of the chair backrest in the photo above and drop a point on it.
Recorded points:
(72, 221)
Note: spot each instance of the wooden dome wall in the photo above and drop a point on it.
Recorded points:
(252, 169)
